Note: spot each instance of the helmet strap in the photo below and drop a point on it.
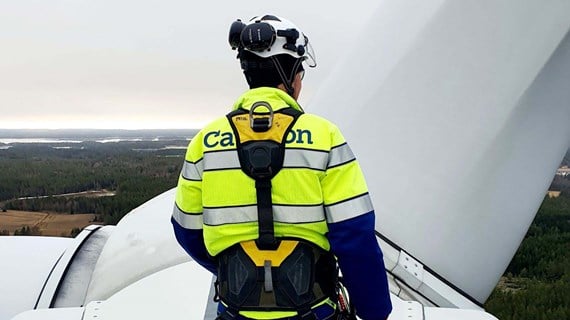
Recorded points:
(287, 80)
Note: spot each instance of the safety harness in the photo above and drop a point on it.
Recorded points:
(269, 273)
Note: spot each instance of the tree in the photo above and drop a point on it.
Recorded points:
(28, 231)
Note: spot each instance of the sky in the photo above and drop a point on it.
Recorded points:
(141, 64)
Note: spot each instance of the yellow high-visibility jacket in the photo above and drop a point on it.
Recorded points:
(320, 188)
(215, 195)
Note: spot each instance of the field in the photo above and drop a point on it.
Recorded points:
(49, 224)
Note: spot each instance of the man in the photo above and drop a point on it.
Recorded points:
(271, 198)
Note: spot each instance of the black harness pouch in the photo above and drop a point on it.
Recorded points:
(295, 276)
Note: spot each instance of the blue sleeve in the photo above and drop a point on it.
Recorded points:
(193, 242)
(354, 243)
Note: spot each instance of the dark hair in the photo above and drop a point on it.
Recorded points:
(262, 72)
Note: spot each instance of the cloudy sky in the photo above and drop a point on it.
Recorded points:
(146, 63)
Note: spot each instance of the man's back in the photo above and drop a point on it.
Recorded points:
(300, 191)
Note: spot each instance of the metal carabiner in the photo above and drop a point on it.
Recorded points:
(260, 124)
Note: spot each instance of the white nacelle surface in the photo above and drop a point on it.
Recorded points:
(142, 243)
(26, 264)
(179, 292)
(183, 292)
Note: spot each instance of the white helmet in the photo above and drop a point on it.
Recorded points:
(270, 35)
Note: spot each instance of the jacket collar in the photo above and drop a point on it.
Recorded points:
(278, 99)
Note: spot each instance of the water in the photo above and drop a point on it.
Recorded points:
(9, 137)
(106, 140)
(36, 140)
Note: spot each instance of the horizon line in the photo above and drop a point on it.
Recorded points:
(130, 129)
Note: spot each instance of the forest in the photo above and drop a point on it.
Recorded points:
(134, 171)
(535, 286)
